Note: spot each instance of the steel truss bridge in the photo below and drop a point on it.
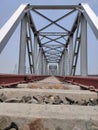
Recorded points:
(61, 100)
(51, 51)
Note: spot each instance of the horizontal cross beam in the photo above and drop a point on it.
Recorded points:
(49, 7)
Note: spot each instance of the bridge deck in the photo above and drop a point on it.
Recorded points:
(48, 104)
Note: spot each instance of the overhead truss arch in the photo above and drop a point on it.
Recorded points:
(54, 46)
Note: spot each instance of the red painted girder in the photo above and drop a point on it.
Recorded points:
(86, 82)
(10, 79)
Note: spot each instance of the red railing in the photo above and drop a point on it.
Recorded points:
(84, 82)
(9, 79)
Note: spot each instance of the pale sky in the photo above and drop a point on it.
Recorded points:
(10, 55)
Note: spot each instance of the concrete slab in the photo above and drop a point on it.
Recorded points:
(72, 87)
(49, 117)
(75, 95)
(49, 83)
(51, 79)
(43, 85)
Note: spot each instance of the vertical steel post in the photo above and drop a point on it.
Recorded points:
(58, 69)
(63, 64)
(66, 62)
(38, 62)
(83, 44)
(22, 52)
(42, 62)
(70, 53)
(35, 53)
(46, 69)
(40, 65)
(44, 65)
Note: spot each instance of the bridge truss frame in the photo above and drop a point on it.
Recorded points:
(65, 54)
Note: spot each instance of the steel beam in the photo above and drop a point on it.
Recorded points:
(65, 15)
(66, 62)
(53, 34)
(57, 7)
(41, 63)
(33, 27)
(13, 79)
(91, 18)
(23, 42)
(70, 53)
(35, 53)
(38, 62)
(58, 69)
(83, 82)
(62, 65)
(50, 21)
(8, 29)
(44, 65)
(30, 47)
(83, 45)
(75, 24)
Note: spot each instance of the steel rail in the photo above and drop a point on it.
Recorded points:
(90, 83)
(9, 80)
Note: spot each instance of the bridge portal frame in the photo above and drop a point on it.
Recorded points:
(23, 15)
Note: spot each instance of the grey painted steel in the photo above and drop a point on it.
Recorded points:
(47, 52)
(65, 15)
(91, 18)
(76, 47)
(35, 53)
(83, 45)
(39, 61)
(46, 68)
(70, 53)
(66, 62)
(23, 41)
(58, 69)
(53, 33)
(50, 21)
(74, 27)
(44, 65)
(55, 7)
(10, 26)
(61, 66)
(30, 48)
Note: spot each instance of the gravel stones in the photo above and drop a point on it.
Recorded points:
(48, 99)
(11, 126)
(2, 97)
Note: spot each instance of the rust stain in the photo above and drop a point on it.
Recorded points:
(47, 86)
(36, 125)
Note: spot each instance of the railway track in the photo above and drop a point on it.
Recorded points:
(48, 103)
